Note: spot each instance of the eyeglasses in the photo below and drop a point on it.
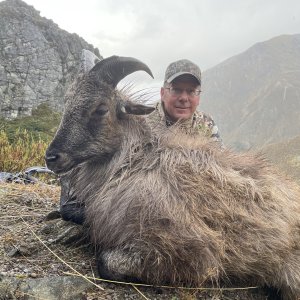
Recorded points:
(178, 91)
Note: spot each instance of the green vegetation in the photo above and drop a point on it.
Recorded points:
(23, 141)
(41, 125)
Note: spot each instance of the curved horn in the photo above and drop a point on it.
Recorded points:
(113, 69)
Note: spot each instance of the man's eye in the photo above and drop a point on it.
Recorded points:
(177, 91)
(190, 92)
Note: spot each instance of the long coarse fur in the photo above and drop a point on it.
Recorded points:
(173, 208)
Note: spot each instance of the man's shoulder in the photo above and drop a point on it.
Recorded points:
(204, 118)
(205, 121)
(157, 113)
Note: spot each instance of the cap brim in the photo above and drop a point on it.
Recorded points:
(169, 80)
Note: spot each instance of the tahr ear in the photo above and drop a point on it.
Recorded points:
(131, 108)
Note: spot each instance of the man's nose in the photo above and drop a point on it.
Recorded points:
(184, 95)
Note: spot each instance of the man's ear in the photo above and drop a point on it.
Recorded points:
(162, 91)
(128, 107)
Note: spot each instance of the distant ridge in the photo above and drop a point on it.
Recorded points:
(255, 96)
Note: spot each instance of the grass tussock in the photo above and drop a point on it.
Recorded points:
(24, 151)
(23, 141)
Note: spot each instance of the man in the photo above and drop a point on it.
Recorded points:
(180, 97)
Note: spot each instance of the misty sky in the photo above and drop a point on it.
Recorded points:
(159, 32)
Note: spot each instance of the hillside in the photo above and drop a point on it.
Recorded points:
(255, 96)
(286, 155)
(37, 60)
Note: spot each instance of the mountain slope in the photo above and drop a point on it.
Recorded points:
(286, 155)
(255, 96)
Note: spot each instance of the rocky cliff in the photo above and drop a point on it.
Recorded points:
(255, 96)
(37, 59)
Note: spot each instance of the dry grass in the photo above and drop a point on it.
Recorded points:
(26, 249)
(23, 210)
(23, 152)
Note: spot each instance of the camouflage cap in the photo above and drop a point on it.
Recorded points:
(181, 67)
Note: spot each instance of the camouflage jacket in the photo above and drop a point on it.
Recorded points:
(200, 122)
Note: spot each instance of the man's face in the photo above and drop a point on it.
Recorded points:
(178, 99)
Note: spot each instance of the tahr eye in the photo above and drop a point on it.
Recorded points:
(100, 110)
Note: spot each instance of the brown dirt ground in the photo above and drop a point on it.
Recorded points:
(28, 249)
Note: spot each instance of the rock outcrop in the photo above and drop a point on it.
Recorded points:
(37, 59)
